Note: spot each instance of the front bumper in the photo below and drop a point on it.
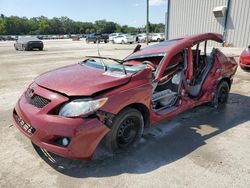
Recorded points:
(245, 64)
(84, 133)
(34, 45)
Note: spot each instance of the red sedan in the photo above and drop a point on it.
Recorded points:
(245, 59)
(70, 110)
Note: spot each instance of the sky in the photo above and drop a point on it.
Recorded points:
(124, 12)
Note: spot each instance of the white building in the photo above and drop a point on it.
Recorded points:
(231, 18)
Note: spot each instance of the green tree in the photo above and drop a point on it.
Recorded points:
(14, 25)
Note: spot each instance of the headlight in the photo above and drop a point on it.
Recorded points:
(81, 107)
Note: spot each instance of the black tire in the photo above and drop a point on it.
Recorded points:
(158, 40)
(40, 49)
(105, 41)
(25, 48)
(123, 42)
(126, 131)
(221, 95)
(15, 47)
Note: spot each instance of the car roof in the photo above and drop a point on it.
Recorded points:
(174, 45)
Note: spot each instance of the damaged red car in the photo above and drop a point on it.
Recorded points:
(71, 110)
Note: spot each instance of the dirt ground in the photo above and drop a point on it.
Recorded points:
(202, 147)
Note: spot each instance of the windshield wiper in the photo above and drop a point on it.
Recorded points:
(100, 57)
(116, 60)
(103, 64)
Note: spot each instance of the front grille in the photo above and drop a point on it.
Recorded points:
(28, 128)
(38, 101)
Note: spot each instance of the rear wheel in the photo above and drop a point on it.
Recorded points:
(221, 95)
(126, 131)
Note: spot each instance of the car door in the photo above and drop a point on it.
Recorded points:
(119, 39)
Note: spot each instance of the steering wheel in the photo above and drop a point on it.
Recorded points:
(150, 64)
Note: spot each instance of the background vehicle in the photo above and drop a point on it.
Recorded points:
(124, 39)
(245, 59)
(28, 43)
(75, 38)
(112, 36)
(8, 38)
(143, 37)
(97, 38)
(70, 110)
(158, 37)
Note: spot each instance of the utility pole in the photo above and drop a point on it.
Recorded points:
(147, 23)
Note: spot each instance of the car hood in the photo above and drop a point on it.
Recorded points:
(80, 80)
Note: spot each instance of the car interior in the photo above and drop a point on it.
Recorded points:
(168, 90)
(202, 64)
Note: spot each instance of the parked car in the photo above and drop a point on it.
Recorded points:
(112, 36)
(40, 37)
(158, 37)
(245, 59)
(28, 43)
(8, 38)
(97, 38)
(75, 38)
(124, 39)
(143, 37)
(70, 110)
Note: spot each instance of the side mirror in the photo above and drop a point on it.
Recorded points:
(137, 48)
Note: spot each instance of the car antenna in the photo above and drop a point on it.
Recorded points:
(102, 62)
(105, 67)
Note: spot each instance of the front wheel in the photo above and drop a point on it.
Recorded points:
(221, 95)
(15, 47)
(126, 131)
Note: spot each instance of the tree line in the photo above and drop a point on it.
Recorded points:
(14, 25)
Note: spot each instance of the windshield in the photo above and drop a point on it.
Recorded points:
(26, 39)
(112, 65)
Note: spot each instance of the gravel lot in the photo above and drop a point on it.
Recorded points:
(202, 147)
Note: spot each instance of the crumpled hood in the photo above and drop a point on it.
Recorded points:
(80, 80)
